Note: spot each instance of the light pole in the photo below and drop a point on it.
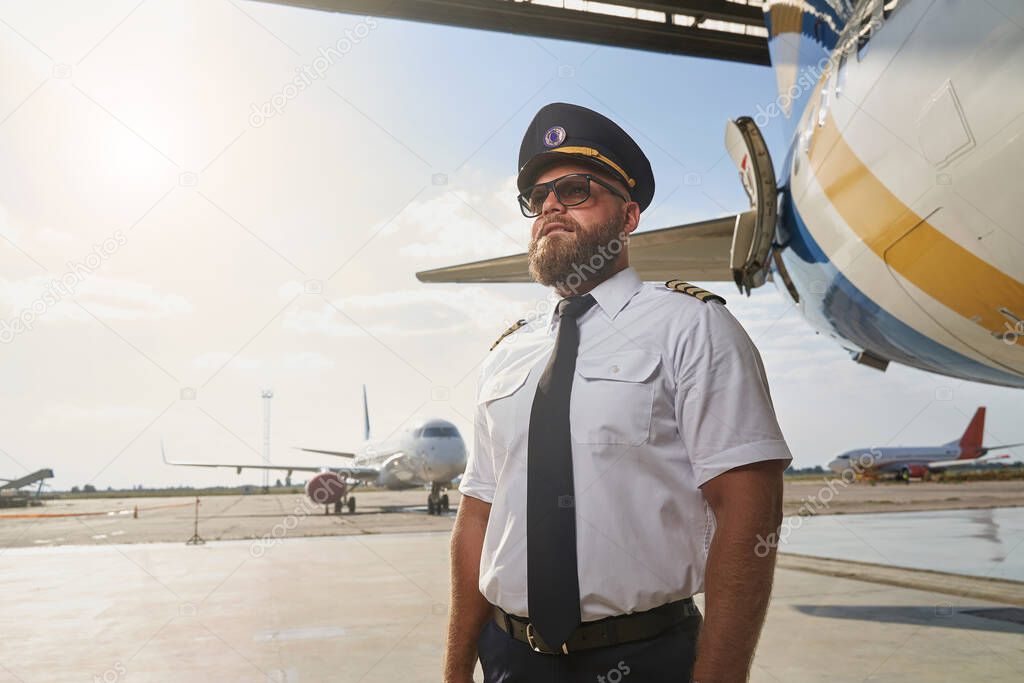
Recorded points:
(267, 395)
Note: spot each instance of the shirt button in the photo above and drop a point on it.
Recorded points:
(615, 368)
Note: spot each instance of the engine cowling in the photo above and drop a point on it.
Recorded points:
(912, 472)
(326, 488)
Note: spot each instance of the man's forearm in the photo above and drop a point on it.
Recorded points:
(469, 610)
(747, 502)
(737, 588)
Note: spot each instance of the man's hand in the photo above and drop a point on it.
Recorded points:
(469, 610)
(747, 502)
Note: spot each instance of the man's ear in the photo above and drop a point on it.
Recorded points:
(632, 217)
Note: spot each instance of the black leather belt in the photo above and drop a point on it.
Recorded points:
(625, 628)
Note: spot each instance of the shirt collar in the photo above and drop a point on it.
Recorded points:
(613, 294)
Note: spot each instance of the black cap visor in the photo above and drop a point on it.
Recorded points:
(529, 173)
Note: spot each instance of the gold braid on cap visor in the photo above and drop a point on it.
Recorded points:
(590, 152)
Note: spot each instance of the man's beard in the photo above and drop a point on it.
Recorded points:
(565, 260)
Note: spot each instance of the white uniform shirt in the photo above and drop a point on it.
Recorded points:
(669, 392)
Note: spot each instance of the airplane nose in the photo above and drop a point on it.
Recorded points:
(446, 459)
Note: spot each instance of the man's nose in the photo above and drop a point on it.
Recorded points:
(552, 204)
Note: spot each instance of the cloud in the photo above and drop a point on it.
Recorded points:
(434, 311)
(212, 360)
(307, 360)
(94, 413)
(299, 360)
(105, 297)
(461, 225)
(54, 237)
(7, 229)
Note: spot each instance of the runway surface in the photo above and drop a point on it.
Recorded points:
(111, 520)
(373, 609)
(282, 592)
(106, 520)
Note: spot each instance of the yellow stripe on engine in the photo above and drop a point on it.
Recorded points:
(934, 263)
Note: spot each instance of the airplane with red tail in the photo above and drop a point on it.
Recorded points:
(918, 461)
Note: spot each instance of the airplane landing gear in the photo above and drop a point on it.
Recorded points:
(345, 503)
(437, 503)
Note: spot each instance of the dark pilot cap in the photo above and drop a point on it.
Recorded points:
(562, 132)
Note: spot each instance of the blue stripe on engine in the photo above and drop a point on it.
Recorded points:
(857, 318)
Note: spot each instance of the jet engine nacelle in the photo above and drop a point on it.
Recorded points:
(912, 471)
(326, 488)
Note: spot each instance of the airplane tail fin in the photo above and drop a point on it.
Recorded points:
(366, 416)
(970, 442)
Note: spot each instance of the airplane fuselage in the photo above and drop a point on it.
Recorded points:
(428, 452)
(899, 229)
(888, 459)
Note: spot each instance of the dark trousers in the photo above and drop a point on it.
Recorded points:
(667, 658)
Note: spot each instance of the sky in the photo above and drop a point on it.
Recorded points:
(187, 229)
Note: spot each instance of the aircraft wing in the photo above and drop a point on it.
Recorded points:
(361, 473)
(340, 454)
(947, 464)
(1003, 445)
(696, 251)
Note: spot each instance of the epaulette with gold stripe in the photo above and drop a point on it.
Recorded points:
(515, 326)
(696, 292)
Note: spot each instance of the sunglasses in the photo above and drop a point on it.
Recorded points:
(570, 190)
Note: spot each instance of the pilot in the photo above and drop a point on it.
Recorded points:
(627, 454)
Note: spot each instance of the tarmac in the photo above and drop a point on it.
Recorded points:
(88, 521)
(369, 603)
(84, 521)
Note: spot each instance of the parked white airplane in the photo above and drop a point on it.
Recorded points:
(425, 452)
(895, 222)
(907, 462)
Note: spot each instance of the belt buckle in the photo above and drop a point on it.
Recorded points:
(532, 642)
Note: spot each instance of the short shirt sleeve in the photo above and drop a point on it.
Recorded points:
(478, 480)
(723, 406)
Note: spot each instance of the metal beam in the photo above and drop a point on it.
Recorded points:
(750, 15)
(525, 18)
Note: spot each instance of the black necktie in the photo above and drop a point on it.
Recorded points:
(552, 579)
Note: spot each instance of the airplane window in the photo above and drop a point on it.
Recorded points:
(440, 431)
(841, 76)
(823, 103)
(809, 132)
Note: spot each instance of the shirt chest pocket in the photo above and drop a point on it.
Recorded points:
(498, 398)
(612, 398)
